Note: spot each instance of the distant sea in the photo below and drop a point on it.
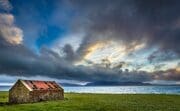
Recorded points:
(118, 89)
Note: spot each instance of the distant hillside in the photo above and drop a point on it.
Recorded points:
(69, 84)
(105, 83)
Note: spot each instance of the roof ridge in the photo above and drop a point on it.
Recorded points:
(36, 80)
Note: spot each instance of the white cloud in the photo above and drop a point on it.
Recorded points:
(9, 31)
(111, 50)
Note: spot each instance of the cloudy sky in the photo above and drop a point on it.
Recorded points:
(81, 41)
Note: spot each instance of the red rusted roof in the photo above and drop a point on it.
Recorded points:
(42, 85)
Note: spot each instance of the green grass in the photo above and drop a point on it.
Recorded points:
(99, 102)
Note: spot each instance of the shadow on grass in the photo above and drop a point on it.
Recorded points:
(4, 103)
(7, 103)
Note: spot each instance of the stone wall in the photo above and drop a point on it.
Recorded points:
(18, 93)
(44, 95)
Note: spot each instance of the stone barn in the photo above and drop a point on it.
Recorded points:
(28, 91)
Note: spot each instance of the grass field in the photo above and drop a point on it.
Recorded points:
(99, 102)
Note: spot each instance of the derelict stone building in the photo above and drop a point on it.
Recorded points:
(27, 91)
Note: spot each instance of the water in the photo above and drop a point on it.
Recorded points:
(119, 89)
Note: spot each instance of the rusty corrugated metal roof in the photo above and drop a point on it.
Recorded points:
(42, 85)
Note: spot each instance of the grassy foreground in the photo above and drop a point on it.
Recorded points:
(99, 102)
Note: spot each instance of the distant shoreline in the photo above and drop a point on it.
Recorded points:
(109, 93)
(128, 89)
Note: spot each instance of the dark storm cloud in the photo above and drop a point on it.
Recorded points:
(17, 60)
(171, 74)
(155, 22)
(159, 56)
(70, 55)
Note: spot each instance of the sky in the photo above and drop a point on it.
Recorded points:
(83, 41)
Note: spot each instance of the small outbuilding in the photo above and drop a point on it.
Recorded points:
(28, 91)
